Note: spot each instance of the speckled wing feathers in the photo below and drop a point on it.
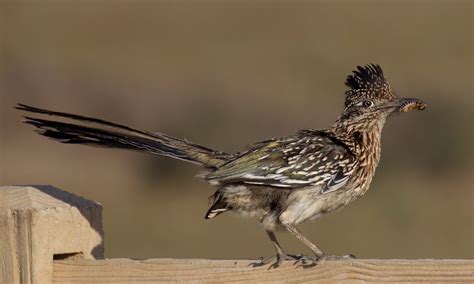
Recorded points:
(305, 159)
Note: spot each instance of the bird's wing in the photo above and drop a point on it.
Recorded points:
(308, 158)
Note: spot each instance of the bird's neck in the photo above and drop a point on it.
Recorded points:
(359, 136)
(364, 140)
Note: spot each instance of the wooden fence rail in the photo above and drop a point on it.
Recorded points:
(200, 270)
(49, 235)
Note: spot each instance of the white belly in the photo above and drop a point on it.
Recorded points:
(308, 204)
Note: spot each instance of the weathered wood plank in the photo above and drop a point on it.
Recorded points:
(39, 223)
(203, 270)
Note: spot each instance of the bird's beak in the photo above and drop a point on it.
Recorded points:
(409, 104)
(405, 105)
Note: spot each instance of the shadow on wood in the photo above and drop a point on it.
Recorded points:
(39, 223)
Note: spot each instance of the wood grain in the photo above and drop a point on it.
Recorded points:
(203, 270)
(39, 223)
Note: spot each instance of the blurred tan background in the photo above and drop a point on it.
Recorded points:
(229, 74)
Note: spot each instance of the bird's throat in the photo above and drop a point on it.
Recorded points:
(364, 140)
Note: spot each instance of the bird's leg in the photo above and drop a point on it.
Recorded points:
(280, 256)
(275, 242)
(319, 254)
(297, 234)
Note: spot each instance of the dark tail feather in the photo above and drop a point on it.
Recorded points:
(113, 135)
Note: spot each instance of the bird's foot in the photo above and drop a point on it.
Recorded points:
(318, 258)
(300, 259)
(310, 261)
(278, 259)
(337, 257)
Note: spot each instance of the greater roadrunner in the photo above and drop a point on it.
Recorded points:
(283, 181)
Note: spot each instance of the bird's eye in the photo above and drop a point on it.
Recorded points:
(368, 103)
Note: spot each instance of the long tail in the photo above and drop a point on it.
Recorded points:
(113, 135)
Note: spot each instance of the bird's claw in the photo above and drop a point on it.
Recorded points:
(337, 257)
(299, 259)
(278, 259)
(310, 261)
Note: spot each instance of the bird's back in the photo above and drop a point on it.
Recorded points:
(273, 174)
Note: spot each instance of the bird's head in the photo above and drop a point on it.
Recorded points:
(370, 96)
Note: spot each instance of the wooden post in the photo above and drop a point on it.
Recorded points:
(39, 224)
